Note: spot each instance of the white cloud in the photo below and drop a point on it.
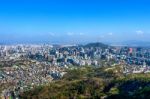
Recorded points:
(139, 32)
(81, 33)
(70, 33)
(52, 34)
(110, 33)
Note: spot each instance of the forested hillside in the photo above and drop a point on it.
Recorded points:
(94, 83)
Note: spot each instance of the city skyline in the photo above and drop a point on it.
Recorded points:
(76, 21)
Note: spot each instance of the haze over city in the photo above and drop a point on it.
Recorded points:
(74, 49)
(74, 21)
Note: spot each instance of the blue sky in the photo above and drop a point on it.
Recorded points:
(74, 21)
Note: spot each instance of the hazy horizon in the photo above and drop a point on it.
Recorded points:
(74, 21)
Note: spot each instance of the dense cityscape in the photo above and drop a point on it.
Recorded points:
(74, 49)
(24, 66)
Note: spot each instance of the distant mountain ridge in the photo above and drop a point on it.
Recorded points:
(132, 43)
(97, 44)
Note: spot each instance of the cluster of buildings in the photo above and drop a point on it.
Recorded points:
(19, 73)
(24, 66)
(26, 74)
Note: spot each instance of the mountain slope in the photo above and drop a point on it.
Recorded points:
(94, 83)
